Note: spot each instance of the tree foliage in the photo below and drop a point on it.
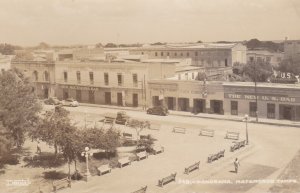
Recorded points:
(138, 125)
(7, 49)
(19, 105)
(5, 143)
(269, 45)
(291, 64)
(258, 71)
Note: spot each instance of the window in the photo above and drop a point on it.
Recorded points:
(142, 53)
(196, 53)
(168, 54)
(78, 95)
(46, 76)
(35, 76)
(187, 54)
(193, 76)
(252, 107)
(271, 110)
(181, 54)
(234, 107)
(78, 77)
(162, 54)
(120, 80)
(106, 80)
(226, 62)
(251, 59)
(91, 78)
(135, 80)
(66, 76)
(155, 53)
(175, 54)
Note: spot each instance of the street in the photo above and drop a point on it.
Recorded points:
(269, 151)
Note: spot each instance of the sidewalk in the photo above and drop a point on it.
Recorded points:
(205, 115)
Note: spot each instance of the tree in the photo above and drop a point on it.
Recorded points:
(291, 65)
(258, 71)
(199, 42)
(7, 49)
(49, 128)
(5, 143)
(138, 125)
(98, 45)
(18, 104)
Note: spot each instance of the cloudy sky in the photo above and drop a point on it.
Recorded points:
(28, 22)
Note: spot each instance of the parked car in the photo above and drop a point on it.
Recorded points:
(159, 110)
(52, 101)
(70, 102)
(122, 118)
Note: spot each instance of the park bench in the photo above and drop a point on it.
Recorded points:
(158, 149)
(192, 167)
(167, 179)
(216, 156)
(179, 130)
(232, 135)
(104, 169)
(207, 132)
(144, 137)
(142, 155)
(221, 154)
(124, 161)
(127, 135)
(59, 184)
(237, 145)
(142, 190)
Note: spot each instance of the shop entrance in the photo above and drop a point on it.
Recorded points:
(216, 106)
(183, 104)
(156, 102)
(119, 99)
(107, 98)
(135, 100)
(171, 103)
(46, 93)
(199, 105)
(286, 112)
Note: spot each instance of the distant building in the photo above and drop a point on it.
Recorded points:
(205, 54)
(273, 58)
(291, 48)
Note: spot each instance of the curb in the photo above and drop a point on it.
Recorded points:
(196, 116)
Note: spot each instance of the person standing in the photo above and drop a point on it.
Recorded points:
(38, 148)
(236, 165)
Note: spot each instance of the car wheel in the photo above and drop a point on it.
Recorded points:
(149, 112)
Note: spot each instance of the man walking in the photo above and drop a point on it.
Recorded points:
(236, 164)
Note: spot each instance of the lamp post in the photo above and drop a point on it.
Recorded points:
(86, 154)
(246, 118)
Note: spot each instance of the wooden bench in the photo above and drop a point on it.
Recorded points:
(104, 169)
(237, 145)
(145, 137)
(192, 167)
(158, 149)
(167, 179)
(221, 154)
(127, 135)
(216, 156)
(142, 190)
(207, 132)
(142, 155)
(59, 184)
(179, 130)
(232, 135)
(124, 161)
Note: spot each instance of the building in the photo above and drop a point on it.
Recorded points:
(204, 54)
(275, 101)
(274, 58)
(291, 48)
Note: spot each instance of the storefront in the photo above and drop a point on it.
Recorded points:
(273, 101)
(189, 96)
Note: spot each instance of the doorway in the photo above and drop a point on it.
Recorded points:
(135, 100)
(119, 99)
(199, 105)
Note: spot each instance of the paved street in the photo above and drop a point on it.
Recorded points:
(270, 150)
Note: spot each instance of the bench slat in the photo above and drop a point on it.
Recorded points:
(167, 179)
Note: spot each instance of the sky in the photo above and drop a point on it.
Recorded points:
(66, 22)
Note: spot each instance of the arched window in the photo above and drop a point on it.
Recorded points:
(35, 76)
(46, 76)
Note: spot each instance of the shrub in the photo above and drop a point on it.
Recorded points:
(54, 175)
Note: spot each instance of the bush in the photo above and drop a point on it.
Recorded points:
(10, 159)
(54, 175)
(129, 142)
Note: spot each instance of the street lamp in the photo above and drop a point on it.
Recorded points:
(246, 119)
(86, 154)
